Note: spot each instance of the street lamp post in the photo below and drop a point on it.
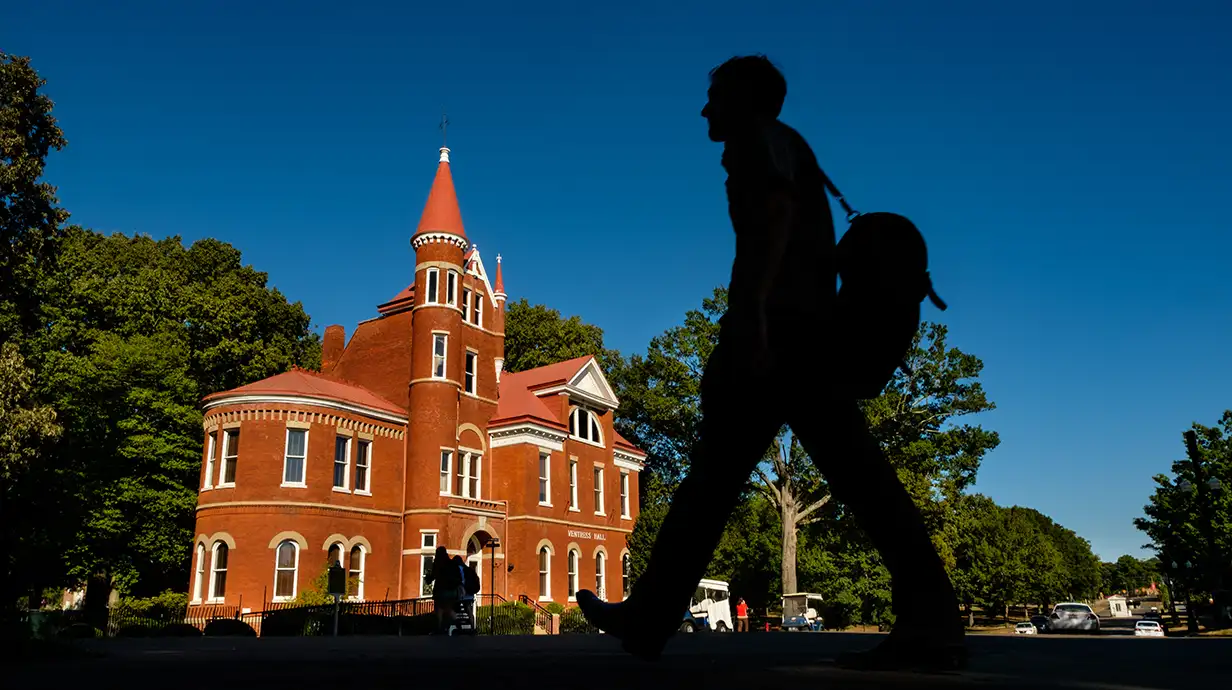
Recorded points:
(493, 542)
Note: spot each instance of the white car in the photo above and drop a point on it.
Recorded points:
(1073, 616)
(1148, 629)
(1025, 629)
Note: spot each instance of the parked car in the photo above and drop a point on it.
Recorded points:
(711, 602)
(1040, 623)
(1025, 628)
(1145, 628)
(1073, 617)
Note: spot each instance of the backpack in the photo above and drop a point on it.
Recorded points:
(471, 581)
(883, 263)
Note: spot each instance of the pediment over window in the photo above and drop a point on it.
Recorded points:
(591, 386)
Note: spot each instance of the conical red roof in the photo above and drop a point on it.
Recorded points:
(499, 286)
(441, 213)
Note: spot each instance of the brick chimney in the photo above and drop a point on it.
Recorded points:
(332, 347)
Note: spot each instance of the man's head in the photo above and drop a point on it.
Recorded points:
(743, 91)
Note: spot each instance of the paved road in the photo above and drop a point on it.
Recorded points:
(591, 662)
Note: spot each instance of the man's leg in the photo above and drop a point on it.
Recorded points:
(862, 479)
(738, 424)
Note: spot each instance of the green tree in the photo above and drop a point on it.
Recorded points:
(536, 336)
(1079, 573)
(791, 482)
(30, 217)
(138, 331)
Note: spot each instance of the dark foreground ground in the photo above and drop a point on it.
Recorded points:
(589, 662)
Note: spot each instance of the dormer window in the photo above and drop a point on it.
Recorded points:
(584, 424)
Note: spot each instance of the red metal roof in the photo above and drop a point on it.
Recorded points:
(441, 213)
(309, 384)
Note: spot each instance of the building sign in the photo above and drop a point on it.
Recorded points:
(575, 534)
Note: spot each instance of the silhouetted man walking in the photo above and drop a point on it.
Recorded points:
(775, 364)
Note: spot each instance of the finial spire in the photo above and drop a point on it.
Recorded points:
(444, 129)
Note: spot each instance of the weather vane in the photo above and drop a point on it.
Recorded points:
(444, 129)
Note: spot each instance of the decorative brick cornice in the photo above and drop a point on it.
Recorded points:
(439, 237)
(296, 508)
(214, 418)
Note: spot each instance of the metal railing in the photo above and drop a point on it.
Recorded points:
(543, 618)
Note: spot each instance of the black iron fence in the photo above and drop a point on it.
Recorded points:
(544, 621)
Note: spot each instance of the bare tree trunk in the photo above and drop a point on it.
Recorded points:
(787, 510)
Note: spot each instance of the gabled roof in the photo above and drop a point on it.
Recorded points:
(309, 384)
(400, 302)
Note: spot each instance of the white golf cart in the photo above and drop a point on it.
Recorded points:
(801, 612)
(710, 604)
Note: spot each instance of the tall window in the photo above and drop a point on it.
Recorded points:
(218, 572)
(624, 494)
(434, 287)
(477, 308)
(545, 478)
(600, 580)
(451, 288)
(286, 565)
(440, 342)
(466, 304)
(427, 543)
(470, 474)
(624, 576)
(585, 425)
(446, 468)
(599, 491)
(573, 483)
(210, 454)
(230, 454)
(335, 555)
(200, 580)
(296, 455)
(355, 573)
(573, 574)
(545, 573)
(342, 461)
(472, 359)
(363, 466)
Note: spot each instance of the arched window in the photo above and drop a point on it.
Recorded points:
(574, 557)
(600, 580)
(200, 579)
(355, 572)
(624, 575)
(545, 574)
(584, 424)
(286, 566)
(218, 572)
(335, 555)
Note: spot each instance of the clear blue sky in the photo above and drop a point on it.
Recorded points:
(1069, 167)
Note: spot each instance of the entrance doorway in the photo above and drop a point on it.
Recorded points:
(474, 558)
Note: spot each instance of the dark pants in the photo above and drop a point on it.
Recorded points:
(741, 415)
(742, 625)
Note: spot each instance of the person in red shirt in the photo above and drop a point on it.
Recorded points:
(742, 616)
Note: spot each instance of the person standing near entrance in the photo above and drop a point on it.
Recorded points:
(742, 616)
(782, 305)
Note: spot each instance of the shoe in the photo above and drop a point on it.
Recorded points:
(908, 653)
(614, 620)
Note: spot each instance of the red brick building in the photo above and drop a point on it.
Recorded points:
(410, 438)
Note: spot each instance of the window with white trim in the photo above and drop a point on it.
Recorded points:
(199, 582)
(295, 457)
(545, 574)
(210, 454)
(466, 304)
(363, 466)
(573, 484)
(230, 454)
(434, 279)
(335, 555)
(440, 344)
(545, 478)
(584, 424)
(451, 287)
(472, 363)
(342, 461)
(355, 572)
(446, 469)
(600, 579)
(574, 560)
(624, 494)
(477, 309)
(218, 572)
(286, 567)
(469, 475)
(427, 545)
(624, 575)
(599, 491)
